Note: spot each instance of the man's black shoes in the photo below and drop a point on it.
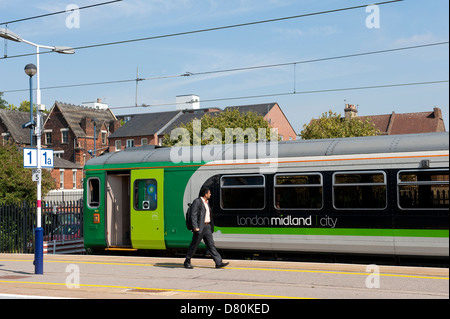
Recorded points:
(187, 264)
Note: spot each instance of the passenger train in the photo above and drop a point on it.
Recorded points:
(384, 195)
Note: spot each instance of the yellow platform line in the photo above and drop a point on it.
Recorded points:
(152, 289)
(245, 268)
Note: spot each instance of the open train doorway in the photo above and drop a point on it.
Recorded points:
(118, 231)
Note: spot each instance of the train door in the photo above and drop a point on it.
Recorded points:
(94, 208)
(118, 210)
(147, 209)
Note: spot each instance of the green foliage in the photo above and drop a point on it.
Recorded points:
(24, 106)
(332, 125)
(3, 103)
(16, 185)
(230, 123)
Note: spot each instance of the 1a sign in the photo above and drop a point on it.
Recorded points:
(30, 158)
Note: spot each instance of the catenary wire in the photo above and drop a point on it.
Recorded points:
(290, 93)
(187, 74)
(211, 29)
(58, 12)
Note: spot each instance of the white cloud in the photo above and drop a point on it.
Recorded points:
(417, 39)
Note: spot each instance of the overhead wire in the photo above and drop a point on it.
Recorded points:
(234, 69)
(212, 29)
(292, 93)
(58, 12)
(249, 68)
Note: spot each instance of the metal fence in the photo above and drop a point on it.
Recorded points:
(16, 227)
(60, 221)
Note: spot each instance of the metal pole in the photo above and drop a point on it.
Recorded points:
(31, 110)
(39, 233)
(38, 80)
(95, 138)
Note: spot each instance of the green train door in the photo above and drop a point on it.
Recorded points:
(147, 209)
(94, 210)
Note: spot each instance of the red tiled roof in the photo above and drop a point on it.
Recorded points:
(408, 123)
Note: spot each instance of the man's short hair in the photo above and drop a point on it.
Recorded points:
(204, 191)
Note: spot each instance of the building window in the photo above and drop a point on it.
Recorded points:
(130, 143)
(104, 135)
(5, 137)
(118, 145)
(298, 191)
(146, 194)
(74, 178)
(360, 190)
(423, 189)
(61, 179)
(245, 192)
(144, 141)
(48, 137)
(64, 135)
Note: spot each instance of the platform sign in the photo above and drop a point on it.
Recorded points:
(30, 156)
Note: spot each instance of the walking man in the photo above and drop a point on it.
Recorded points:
(203, 228)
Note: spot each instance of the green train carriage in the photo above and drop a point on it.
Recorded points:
(373, 195)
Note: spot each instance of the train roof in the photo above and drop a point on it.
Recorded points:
(300, 148)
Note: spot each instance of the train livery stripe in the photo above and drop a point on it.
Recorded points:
(337, 232)
(279, 161)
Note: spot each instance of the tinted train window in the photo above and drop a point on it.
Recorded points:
(242, 192)
(423, 189)
(145, 194)
(356, 190)
(298, 191)
(93, 192)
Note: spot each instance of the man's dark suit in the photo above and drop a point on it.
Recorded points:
(198, 214)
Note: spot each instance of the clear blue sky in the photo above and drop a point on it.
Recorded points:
(408, 23)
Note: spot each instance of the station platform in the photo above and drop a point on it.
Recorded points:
(116, 277)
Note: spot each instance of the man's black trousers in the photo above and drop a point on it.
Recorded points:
(207, 237)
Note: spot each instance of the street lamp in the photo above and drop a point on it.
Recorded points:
(9, 35)
(30, 70)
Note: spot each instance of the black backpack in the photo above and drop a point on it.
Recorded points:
(188, 217)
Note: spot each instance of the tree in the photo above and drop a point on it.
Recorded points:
(15, 181)
(3, 103)
(332, 125)
(225, 127)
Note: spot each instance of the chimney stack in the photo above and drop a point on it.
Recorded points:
(350, 111)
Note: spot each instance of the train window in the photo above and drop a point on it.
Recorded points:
(298, 191)
(242, 192)
(93, 192)
(145, 194)
(356, 190)
(423, 189)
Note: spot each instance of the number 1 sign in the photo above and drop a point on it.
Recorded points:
(30, 158)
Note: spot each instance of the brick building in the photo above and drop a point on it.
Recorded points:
(69, 131)
(67, 175)
(150, 128)
(403, 123)
(11, 127)
(273, 114)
